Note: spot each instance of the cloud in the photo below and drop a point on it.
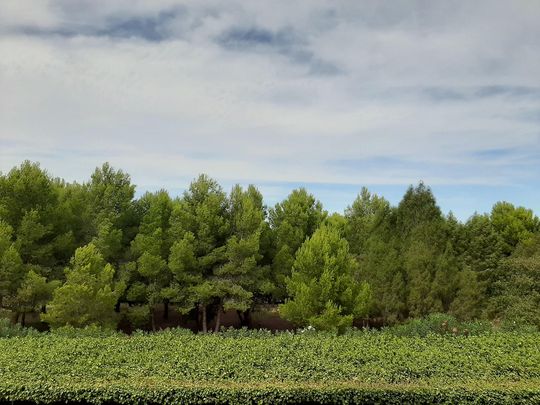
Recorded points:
(285, 42)
(238, 38)
(147, 28)
(309, 92)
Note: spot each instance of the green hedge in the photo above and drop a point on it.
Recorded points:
(176, 366)
(274, 395)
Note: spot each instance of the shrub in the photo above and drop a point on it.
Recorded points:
(509, 325)
(439, 324)
(7, 329)
(478, 327)
(245, 332)
(176, 366)
(138, 316)
(88, 331)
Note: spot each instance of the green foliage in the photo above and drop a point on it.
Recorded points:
(417, 209)
(241, 276)
(445, 282)
(138, 316)
(92, 331)
(108, 240)
(155, 211)
(11, 265)
(74, 219)
(88, 295)
(30, 239)
(26, 188)
(245, 332)
(292, 221)
(34, 292)
(429, 263)
(324, 290)
(186, 272)
(508, 325)
(468, 303)
(215, 252)
(381, 263)
(148, 275)
(514, 224)
(199, 227)
(203, 212)
(483, 245)
(363, 217)
(29, 201)
(7, 330)
(113, 217)
(174, 366)
(516, 293)
(111, 193)
(439, 324)
(408, 254)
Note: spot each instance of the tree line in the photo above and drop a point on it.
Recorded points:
(74, 252)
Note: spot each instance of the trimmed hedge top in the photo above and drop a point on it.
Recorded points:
(172, 366)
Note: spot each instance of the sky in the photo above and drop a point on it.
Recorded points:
(328, 95)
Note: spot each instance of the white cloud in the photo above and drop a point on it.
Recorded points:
(15, 13)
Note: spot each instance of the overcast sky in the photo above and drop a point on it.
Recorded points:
(331, 95)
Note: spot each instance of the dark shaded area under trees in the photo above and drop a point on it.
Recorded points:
(81, 254)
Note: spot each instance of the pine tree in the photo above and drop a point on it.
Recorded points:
(516, 290)
(110, 195)
(445, 281)
(324, 288)
(241, 276)
(468, 304)
(148, 275)
(34, 292)
(12, 270)
(514, 224)
(88, 296)
(364, 216)
(199, 231)
(292, 221)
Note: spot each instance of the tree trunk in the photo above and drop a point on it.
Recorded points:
(218, 319)
(204, 325)
(166, 309)
(117, 307)
(44, 309)
(23, 319)
(240, 317)
(152, 318)
(199, 316)
(245, 318)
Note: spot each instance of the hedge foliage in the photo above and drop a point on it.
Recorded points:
(176, 366)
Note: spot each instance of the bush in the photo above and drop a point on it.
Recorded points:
(478, 327)
(439, 324)
(138, 316)
(176, 366)
(171, 332)
(88, 331)
(7, 329)
(509, 325)
(175, 332)
(5, 313)
(245, 332)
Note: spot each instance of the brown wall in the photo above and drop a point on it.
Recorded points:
(262, 317)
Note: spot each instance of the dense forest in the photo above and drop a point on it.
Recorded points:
(75, 252)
